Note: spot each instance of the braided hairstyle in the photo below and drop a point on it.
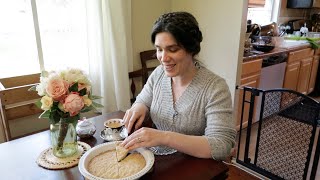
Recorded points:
(184, 28)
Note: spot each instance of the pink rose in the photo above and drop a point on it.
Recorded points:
(57, 88)
(73, 104)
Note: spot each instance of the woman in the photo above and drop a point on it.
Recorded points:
(190, 106)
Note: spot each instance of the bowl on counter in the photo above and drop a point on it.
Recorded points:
(262, 43)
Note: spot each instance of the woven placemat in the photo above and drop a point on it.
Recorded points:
(47, 160)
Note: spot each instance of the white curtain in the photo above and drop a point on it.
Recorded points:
(110, 51)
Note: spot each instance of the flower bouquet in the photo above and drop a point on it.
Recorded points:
(65, 94)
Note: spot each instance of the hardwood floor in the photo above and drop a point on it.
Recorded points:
(237, 174)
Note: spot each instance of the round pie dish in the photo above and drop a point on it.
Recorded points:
(95, 151)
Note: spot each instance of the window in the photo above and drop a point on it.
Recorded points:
(266, 14)
(51, 33)
(256, 3)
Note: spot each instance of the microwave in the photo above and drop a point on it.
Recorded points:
(299, 3)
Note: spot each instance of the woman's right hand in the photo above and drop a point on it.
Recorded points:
(135, 116)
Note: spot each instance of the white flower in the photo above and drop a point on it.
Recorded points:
(46, 103)
(75, 75)
(41, 87)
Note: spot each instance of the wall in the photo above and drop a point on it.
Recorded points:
(221, 49)
(220, 22)
(287, 14)
(144, 14)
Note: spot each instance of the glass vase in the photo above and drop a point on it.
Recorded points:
(64, 138)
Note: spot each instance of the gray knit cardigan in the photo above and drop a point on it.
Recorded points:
(204, 108)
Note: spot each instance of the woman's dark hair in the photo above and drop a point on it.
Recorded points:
(184, 28)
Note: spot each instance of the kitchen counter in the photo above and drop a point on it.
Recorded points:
(281, 47)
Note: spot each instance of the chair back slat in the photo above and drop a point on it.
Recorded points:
(17, 94)
(22, 111)
(19, 80)
(146, 56)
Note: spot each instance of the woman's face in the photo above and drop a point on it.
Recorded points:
(176, 61)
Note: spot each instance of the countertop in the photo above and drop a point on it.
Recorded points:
(281, 47)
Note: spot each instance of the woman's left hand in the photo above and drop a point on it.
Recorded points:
(144, 137)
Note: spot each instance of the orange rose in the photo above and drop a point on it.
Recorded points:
(73, 104)
(57, 88)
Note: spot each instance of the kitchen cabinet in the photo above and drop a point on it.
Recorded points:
(314, 71)
(316, 3)
(304, 75)
(291, 76)
(250, 76)
(298, 70)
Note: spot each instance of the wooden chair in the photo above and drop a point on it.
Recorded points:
(147, 56)
(133, 88)
(281, 144)
(144, 72)
(16, 101)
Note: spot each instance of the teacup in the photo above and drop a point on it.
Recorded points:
(114, 124)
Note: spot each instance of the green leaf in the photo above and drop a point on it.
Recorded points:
(313, 43)
(96, 105)
(94, 97)
(74, 87)
(33, 88)
(45, 114)
(73, 118)
(55, 106)
(87, 109)
(298, 38)
(83, 92)
(38, 103)
(54, 116)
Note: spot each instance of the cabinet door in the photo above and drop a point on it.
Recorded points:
(316, 3)
(304, 75)
(291, 76)
(313, 75)
(252, 81)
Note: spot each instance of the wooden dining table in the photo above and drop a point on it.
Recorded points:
(18, 160)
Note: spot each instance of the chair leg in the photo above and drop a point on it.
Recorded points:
(5, 125)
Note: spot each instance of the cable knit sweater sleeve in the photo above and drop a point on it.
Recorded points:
(204, 109)
(220, 130)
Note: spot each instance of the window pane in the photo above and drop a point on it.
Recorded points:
(261, 15)
(63, 33)
(18, 49)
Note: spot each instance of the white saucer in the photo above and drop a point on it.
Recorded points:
(109, 134)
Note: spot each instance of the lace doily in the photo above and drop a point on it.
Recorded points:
(47, 160)
(162, 150)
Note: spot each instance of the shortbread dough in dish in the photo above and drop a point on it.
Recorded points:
(106, 165)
